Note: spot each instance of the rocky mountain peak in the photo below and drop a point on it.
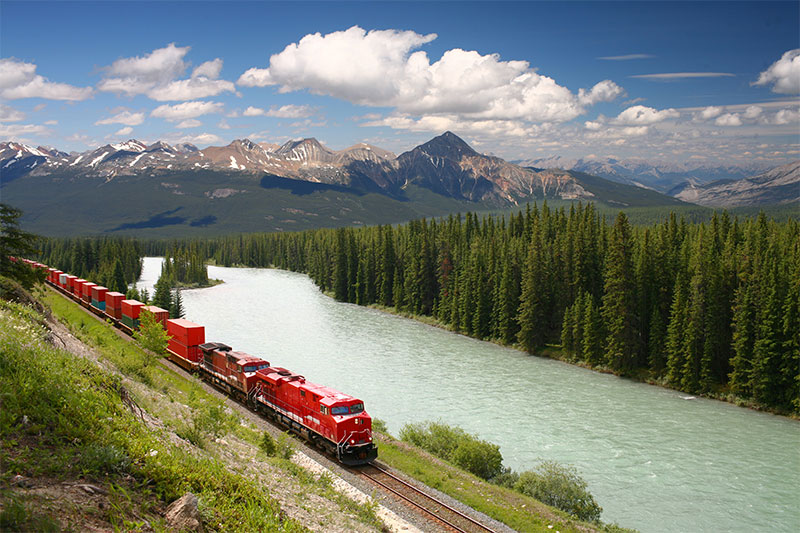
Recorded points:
(306, 151)
(160, 146)
(186, 148)
(245, 144)
(447, 145)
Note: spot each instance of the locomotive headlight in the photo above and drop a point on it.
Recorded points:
(352, 441)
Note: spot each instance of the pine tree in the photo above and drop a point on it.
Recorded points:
(619, 302)
(593, 334)
(117, 282)
(176, 307)
(163, 293)
(534, 301)
(18, 244)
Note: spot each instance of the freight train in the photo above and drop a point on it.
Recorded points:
(331, 420)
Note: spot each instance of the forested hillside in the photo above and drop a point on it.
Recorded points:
(710, 308)
(111, 262)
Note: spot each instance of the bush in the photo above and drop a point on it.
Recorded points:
(455, 445)
(561, 487)
(379, 425)
(152, 336)
(285, 446)
(479, 457)
(268, 445)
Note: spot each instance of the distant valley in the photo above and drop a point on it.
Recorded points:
(166, 190)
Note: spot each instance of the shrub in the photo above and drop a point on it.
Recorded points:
(479, 457)
(152, 336)
(268, 445)
(455, 445)
(561, 487)
(285, 446)
(379, 425)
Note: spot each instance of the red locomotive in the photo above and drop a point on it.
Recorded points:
(329, 419)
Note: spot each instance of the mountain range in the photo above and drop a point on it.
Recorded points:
(246, 186)
(776, 186)
(657, 175)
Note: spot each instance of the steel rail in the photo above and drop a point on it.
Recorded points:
(425, 495)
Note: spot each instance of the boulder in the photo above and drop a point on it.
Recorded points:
(183, 514)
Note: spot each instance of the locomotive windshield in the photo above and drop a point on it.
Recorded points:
(356, 408)
(253, 368)
(339, 410)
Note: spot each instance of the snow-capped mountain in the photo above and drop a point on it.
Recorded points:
(777, 186)
(657, 175)
(445, 165)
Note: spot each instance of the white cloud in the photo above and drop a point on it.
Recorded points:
(209, 69)
(124, 117)
(286, 111)
(605, 91)
(683, 75)
(728, 119)
(190, 123)
(51, 122)
(440, 123)
(127, 130)
(186, 110)
(9, 114)
(784, 74)
(199, 139)
(642, 115)
(201, 87)
(380, 68)
(707, 113)
(156, 73)
(592, 125)
(137, 75)
(20, 131)
(223, 125)
(787, 116)
(19, 80)
(752, 112)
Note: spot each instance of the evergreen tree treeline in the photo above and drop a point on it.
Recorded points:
(705, 308)
(111, 262)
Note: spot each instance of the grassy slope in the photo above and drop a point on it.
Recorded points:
(67, 422)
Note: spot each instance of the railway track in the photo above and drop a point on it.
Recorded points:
(450, 518)
(424, 503)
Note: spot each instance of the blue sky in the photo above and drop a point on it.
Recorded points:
(714, 82)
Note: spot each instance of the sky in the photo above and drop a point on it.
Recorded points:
(683, 82)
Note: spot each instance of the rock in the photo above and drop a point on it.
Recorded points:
(91, 489)
(21, 481)
(183, 514)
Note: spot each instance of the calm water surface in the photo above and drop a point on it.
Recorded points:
(654, 460)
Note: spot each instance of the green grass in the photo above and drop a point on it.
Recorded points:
(518, 511)
(66, 418)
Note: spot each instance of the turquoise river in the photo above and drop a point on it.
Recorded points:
(655, 459)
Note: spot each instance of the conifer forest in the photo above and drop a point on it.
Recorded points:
(707, 308)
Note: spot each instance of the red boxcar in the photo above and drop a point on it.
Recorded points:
(86, 295)
(131, 308)
(114, 304)
(185, 337)
(77, 287)
(162, 315)
(185, 332)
